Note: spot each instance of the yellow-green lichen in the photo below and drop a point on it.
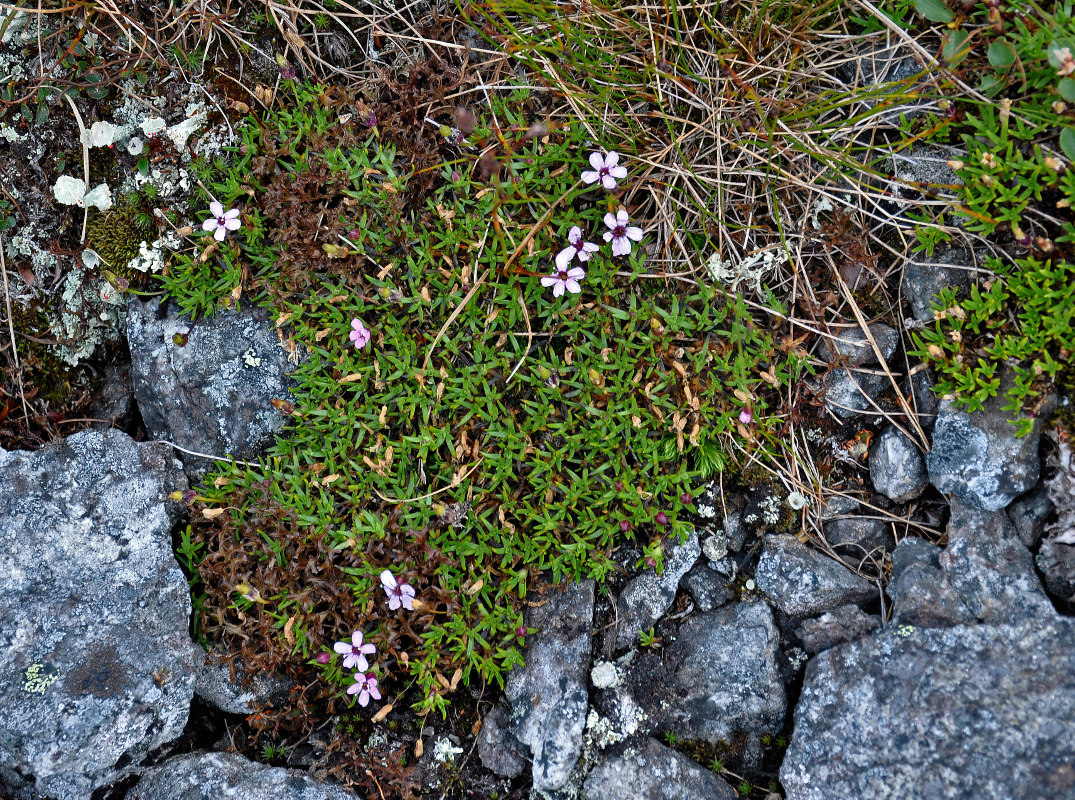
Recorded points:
(38, 678)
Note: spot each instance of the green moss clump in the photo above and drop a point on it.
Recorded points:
(116, 235)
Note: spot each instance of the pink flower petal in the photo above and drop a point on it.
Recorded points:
(621, 246)
(232, 214)
(572, 286)
(575, 234)
(610, 222)
(549, 280)
(210, 224)
(597, 161)
(364, 698)
(394, 602)
(341, 647)
(558, 289)
(618, 172)
(216, 209)
(634, 233)
(612, 159)
(590, 177)
(608, 237)
(220, 233)
(608, 182)
(589, 247)
(576, 273)
(563, 258)
(387, 578)
(584, 255)
(621, 216)
(232, 224)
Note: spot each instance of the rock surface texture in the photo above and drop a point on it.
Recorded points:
(654, 772)
(923, 279)
(979, 459)
(96, 662)
(223, 776)
(856, 379)
(802, 582)
(719, 680)
(647, 597)
(984, 711)
(548, 697)
(214, 394)
(897, 469)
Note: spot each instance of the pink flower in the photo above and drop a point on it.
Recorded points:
(399, 592)
(365, 686)
(360, 335)
(565, 280)
(605, 170)
(620, 234)
(222, 221)
(745, 416)
(354, 652)
(576, 247)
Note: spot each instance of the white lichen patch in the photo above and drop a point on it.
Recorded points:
(92, 312)
(604, 675)
(9, 134)
(445, 750)
(750, 270)
(74, 192)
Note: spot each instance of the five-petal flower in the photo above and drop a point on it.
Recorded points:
(399, 592)
(222, 221)
(564, 280)
(620, 234)
(577, 246)
(605, 169)
(360, 335)
(354, 652)
(365, 686)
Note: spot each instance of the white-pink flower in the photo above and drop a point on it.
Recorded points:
(222, 221)
(564, 280)
(354, 652)
(360, 335)
(620, 234)
(365, 686)
(605, 169)
(576, 247)
(399, 592)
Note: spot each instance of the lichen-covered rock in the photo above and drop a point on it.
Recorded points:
(241, 694)
(214, 394)
(96, 662)
(1029, 514)
(856, 379)
(497, 747)
(921, 593)
(719, 680)
(926, 402)
(224, 776)
(802, 582)
(707, 587)
(647, 596)
(979, 459)
(853, 346)
(983, 711)
(654, 772)
(897, 469)
(548, 697)
(844, 624)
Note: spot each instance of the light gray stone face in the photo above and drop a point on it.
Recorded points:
(548, 697)
(96, 662)
(844, 624)
(923, 278)
(719, 680)
(214, 395)
(897, 468)
(921, 593)
(979, 459)
(859, 539)
(648, 596)
(803, 582)
(654, 772)
(984, 711)
(854, 348)
(241, 694)
(497, 747)
(857, 379)
(707, 587)
(1029, 514)
(223, 776)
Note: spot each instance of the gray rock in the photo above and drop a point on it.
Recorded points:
(548, 697)
(214, 395)
(839, 506)
(921, 593)
(926, 401)
(222, 776)
(923, 279)
(1057, 564)
(116, 403)
(1029, 515)
(239, 695)
(979, 459)
(708, 588)
(96, 662)
(648, 596)
(859, 539)
(844, 624)
(879, 64)
(897, 469)
(984, 711)
(854, 349)
(654, 772)
(497, 747)
(802, 582)
(925, 168)
(719, 680)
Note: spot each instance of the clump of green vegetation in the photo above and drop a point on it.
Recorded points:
(1013, 171)
(489, 430)
(115, 235)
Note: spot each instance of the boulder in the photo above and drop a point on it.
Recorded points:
(844, 624)
(719, 681)
(921, 593)
(652, 771)
(982, 711)
(96, 659)
(239, 693)
(897, 469)
(548, 697)
(223, 776)
(648, 596)
(979, 459)
(212, 395)
(802, 582)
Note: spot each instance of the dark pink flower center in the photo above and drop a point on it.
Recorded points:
(562, 275)
(619, 232)
(220, 221)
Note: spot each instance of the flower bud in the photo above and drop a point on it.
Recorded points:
(625, 526)
(661, 518)
(324, 658)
